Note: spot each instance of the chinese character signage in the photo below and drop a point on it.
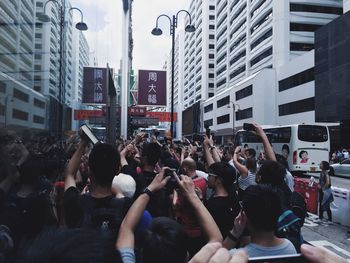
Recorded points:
(86, 114)
(152, 88)
(94, 86)
(162, 116)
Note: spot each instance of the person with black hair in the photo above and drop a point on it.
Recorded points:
(223, 204)
(325, 192)
(261, 209)
(98, 208)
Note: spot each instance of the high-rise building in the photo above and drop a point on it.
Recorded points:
(20, 106)
(199, 53)
(256, 34)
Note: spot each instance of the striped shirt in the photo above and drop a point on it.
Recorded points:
(246, 181)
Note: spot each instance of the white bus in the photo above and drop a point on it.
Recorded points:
(303, 146)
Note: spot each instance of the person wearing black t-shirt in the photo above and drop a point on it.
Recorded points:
(82, 210)
(223, 204)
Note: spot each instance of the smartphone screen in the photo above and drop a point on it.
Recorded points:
(92, 137)
(296, 258)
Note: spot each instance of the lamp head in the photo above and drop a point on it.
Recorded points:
(44, 18)
(157, 31)
(190, 28)
(81, 26)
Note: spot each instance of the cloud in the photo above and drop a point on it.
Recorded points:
(104, 18)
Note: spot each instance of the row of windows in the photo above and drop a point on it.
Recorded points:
(20, 95)
(297, 79)
(221, 70)
(261, 21)
(297, 107)
(261, 57)
(245, 92)
(222, 82)
(316, 9)
(238, 57)
(261, 39)
(222, 102)
(221, 58)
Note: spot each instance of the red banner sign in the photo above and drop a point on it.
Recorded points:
(85, 114)
(162, 116)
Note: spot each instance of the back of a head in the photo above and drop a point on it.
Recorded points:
(262, 207)
(104, 162)
(189, 164)
(251, 152)
(151, 153)
(165, 241)
(125, 184)
(272, 172)
(225, 172)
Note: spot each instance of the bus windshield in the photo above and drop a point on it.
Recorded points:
(312, 133)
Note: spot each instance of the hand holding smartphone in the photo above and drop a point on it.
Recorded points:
(89, 134)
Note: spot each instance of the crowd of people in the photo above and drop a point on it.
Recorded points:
(143, 201)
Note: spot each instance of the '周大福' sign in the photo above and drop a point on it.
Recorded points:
(152, 88)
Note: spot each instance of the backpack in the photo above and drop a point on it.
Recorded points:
(106, 215)
(291, 220)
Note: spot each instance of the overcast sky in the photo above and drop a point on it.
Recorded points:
(104, 19)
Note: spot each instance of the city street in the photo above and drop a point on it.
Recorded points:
(331, 236)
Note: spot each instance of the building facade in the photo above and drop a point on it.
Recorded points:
(20, 105)
(262, 45)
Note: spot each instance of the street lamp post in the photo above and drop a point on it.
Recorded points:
(157, 32)
(62, 76)
(233, 115)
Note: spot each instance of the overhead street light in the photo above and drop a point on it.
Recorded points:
(62, 76)
(157, 32)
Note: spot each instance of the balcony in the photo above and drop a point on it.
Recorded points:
(28, 17)
(8, 38)
(10, 7)
(29, 5)
(261, 11)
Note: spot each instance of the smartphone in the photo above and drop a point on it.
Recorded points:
(88, 132)
(169, 172)
(198, 138)
(296, 258)
(248, 127)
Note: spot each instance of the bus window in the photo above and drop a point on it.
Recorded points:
(279, 135)
(312, 133)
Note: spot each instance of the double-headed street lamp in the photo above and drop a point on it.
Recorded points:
(80, 26)
(234, 105)
(157, 32)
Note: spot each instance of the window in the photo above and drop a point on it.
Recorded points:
(244, 114)
(39, 4)
(279, 135)
(261, 39)
(304, 27)
(237, 72)
(211, 26)
(211, 65)
(245, 92)
(38, 35)
(211, 7)
(208, 123)
(238, 57)
(211, 95)
(261, 56)
(39, 103)
(211, 37)
(222, 82)
(222, 102)
(297, 107)
(211, 85)
(301, 46)
(38, 119)
(221, 58)
(297, 79)
(211, 75)
(20, 115)
(316, 9)
(261, 21)
(20, 95)
(211, 56)
(221, 45)
(38, 46)
(312, 133)
(223, 119)
(211, 17)
(211, 46)
(221, 70)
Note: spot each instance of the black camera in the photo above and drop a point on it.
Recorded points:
(169, 172)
